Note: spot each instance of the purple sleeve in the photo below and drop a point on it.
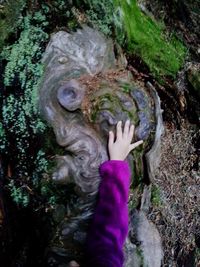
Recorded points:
(109, 226)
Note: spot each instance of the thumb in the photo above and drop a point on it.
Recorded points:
(132, 146)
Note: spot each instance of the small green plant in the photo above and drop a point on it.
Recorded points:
(19, 195)
(23, 72)
(20, 112)
(41, 180)
(50, 193)
(100, 14)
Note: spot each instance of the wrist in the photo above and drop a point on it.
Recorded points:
(117, 158)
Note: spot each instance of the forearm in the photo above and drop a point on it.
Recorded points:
(109, 226)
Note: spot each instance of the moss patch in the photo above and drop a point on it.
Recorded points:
(164, 55)
(156, 198)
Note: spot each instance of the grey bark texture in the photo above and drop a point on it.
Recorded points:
(81, 118)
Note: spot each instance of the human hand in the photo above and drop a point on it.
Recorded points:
(73, 264)
(120, 149)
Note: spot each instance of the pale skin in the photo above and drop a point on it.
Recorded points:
(73, 264)
(119, 147)
(122, 146)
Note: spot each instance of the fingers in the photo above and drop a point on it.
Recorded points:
(111, 139)
(127, 133)
(131, 133)
(126, 129)
(119, 130)
(132, 146)
(73, 264)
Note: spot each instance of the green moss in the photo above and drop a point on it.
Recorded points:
(135, 193)
(105, 102)
(10, 17)
(126, 87)
(156, 196)
(164, 55)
